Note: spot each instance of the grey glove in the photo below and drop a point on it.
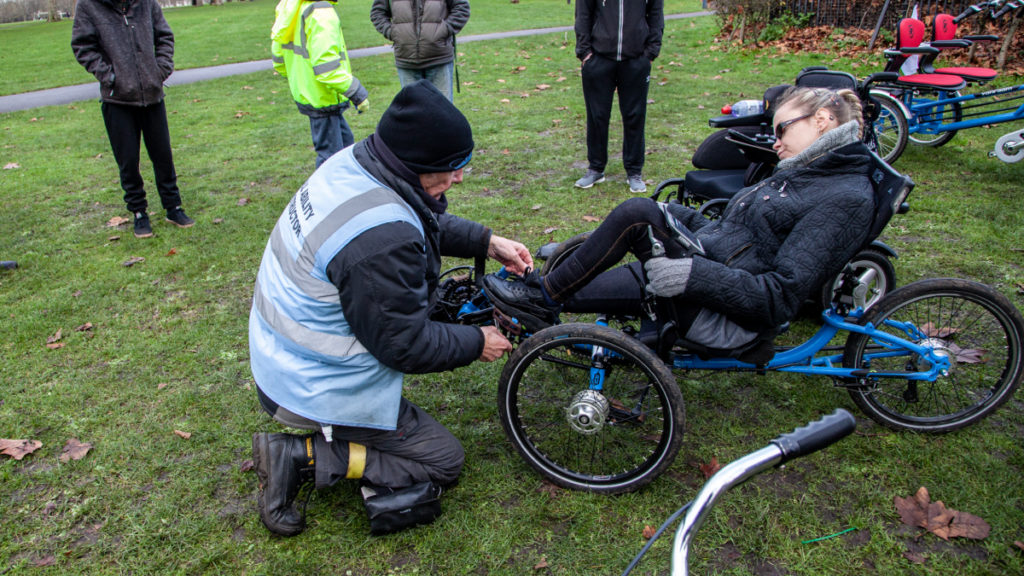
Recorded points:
(667, 277)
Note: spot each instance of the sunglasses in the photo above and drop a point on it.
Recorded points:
(780, 130)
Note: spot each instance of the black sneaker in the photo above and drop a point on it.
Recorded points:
(283, 463)
(177, 217)
(142, 227)
(522, 298)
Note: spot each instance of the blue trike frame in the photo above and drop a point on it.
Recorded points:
(925, 108)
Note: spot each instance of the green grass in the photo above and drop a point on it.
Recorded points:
(168, 348)
(37, 55)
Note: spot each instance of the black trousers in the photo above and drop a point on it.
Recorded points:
(125, 125)
(602, 77)
(420, 449)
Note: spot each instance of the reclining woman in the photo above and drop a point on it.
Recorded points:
(775, 244)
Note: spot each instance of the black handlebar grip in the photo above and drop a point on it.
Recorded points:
(816, 435)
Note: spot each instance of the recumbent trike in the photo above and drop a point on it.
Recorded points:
(596, 408)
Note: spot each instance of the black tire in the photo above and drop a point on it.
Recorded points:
(891, 131)
(946, 114)
(973, 323)
(882, 282)
(713, 209)
(563, 251)
(610, 442)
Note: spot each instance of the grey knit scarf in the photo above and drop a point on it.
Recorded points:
(836, 138)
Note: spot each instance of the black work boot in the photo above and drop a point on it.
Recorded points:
(523, 298)
(283, 462)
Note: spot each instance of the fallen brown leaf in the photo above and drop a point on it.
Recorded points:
(18, 449)
(710, 468)
(246, 465)
(84, 327)
(74, 450)
(918, 510)
(591, 219)
(12, 166)
(648, 532)
(185, 435)
(914, 557)
(542, 564)
(242, 201)
(550, 229)
(172, 252)
(132, 261)
(117, 221)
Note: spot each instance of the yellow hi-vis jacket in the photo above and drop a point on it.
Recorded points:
(307, 47)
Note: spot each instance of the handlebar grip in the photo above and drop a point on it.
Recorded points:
(816, 435)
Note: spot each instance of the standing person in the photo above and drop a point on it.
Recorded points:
(423, 32)
(308, 48)
(128, 46)
(616, 42)
(341, 312)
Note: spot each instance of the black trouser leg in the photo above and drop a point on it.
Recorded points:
(124, 130)
(598, 92)
(623, 231)
(157, 136)
(634, 80)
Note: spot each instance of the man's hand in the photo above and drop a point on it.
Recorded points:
(495, 344)
(514, 256)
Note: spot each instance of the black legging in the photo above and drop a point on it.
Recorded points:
(581, 281)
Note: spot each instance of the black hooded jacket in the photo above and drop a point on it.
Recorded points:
(130, 52)
(619, 29)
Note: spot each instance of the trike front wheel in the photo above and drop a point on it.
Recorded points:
(591, 408)
(975, 327)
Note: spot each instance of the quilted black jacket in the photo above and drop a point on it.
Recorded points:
(780, 239)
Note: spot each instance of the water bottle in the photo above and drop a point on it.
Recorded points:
(744, 108)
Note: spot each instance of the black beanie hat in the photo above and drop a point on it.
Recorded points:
(425, 130)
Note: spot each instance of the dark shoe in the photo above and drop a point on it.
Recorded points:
(522, 298)
(142, 227)
(177, 217)
(283, 462)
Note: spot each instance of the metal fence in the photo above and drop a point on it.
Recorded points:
(866, 13)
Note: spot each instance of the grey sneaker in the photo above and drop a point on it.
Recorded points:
(590, 178)
(636, 184)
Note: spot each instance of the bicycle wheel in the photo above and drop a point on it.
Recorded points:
(610, 440)
(890, 127)
(935, 115)
(874, 269)
(972, 324)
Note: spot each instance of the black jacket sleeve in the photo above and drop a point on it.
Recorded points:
(85, 43)
(655, 28)
(163, 42)
(584, 27)
(463, 238)
(381, 279)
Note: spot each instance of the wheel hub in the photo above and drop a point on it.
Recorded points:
(939, 348)
(588, 412)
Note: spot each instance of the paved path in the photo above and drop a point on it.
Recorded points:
(69, 94)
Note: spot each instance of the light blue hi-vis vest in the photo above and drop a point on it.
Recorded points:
(303, 353)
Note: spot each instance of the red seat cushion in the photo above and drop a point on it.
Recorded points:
(945, 81)
(969, 72)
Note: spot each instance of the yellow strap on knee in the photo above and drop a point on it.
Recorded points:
(356, 460)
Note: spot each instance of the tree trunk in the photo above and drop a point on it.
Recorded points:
(1011, 30)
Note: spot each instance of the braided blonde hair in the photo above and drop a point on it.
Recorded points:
(843, 104)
